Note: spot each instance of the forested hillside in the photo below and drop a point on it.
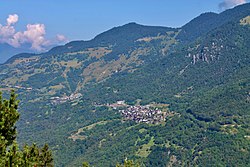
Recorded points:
(158, 96)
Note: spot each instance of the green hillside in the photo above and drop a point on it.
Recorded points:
(159, 96)
(206, 22)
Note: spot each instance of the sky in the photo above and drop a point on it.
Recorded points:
(45, 23)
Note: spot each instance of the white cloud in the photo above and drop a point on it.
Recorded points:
(6, 31)
(12, 19)
(61, 38)
(226, 4)
(33, 35)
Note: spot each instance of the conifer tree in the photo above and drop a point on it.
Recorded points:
(10, 155)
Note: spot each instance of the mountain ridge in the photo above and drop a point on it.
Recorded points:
(206, 22)
(203, 85)
(207, 17)
(111, 34)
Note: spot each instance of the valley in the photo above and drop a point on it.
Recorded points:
(156, 95)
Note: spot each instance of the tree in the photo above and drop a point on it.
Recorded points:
(85, 164)
(10, 155)
(8, 117)
(128, 163)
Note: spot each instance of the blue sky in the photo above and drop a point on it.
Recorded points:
(84, 19)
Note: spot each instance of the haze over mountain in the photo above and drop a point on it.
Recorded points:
(75, 96)
(7, 51)
(33, 39)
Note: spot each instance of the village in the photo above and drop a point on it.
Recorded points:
(143, 114)
(149, 114)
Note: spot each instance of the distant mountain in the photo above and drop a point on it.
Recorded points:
(7, 51)
(197, 74)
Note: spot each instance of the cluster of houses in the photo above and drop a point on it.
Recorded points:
(150, 114)
(59, 100)
(143, 114)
